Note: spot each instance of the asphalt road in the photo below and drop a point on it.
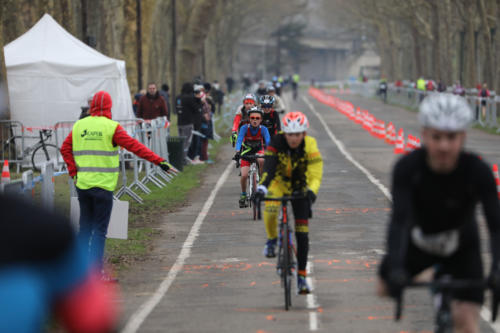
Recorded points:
(207, 273)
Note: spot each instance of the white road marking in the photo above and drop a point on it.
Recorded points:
(147, 307)
(485, 312)
(311, 299)
(347, 155)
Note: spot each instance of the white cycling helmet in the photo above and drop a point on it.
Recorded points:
(295, 122)
(445, 112)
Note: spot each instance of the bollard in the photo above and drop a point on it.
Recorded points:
(47, 195)
(28, 185)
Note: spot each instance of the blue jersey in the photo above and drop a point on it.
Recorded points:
(252, 133)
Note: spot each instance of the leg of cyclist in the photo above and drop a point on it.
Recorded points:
(271, 210)
(261, 164)
(301, 214)
(245, 166)
(466, 264)
(465, 317)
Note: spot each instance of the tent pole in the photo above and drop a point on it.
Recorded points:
(139, 45)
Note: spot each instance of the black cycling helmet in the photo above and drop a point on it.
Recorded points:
(255, 109)
(267, 101)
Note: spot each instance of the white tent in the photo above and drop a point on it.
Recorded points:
(50, 75)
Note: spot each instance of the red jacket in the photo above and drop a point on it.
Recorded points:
(101, 106)
(151, 107)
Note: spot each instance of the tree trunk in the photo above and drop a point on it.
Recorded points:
(470, 56)
(416, 51)
(191, 41)
(488, 49)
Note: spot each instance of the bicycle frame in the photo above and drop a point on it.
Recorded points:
(286, 249)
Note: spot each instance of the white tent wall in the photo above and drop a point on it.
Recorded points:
(49, 81)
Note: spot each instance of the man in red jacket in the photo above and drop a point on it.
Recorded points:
(152, 105)
(91, 154)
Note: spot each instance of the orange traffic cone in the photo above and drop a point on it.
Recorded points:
(359, 117)
(497, 179)
(409, 144)
(381, 128)
(400, 143)
(5, 172)
(390, 136)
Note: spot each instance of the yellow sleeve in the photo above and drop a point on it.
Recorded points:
(314, 172)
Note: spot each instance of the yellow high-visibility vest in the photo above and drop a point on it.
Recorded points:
(96, 158)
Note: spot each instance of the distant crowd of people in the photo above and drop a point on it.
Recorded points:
(422, 86)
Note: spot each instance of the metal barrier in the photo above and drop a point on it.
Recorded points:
(153, 134)
(25, 186)
(12, 138)
(411, 98)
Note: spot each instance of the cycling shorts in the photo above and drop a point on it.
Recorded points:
(464, 264)
(245, 163)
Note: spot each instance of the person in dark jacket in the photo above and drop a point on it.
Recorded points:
(195, 148)
(186, 106)
(164, 93)
(152, 105)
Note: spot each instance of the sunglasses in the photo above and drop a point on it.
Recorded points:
(255, 118)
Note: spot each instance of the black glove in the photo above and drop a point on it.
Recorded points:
(311, 196)
(236, 156)
(167, 167)
(396, 282)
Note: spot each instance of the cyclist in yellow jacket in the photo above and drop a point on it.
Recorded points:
(293, 165)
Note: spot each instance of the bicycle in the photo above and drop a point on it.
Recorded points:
(286, 253)
(252, 180)
(40, 152)
(444, 287)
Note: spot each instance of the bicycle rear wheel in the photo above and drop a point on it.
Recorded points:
(45, 153)
(286, 270)
(255, 181)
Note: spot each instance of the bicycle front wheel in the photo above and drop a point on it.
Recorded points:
(45, 153)
(286, 270)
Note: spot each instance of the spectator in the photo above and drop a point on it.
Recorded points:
(430, 85)
(441, 86)
(458, 89)
(186, 107)
(164, 93)
(483, 94)
(194, 151)
(152, 105)
(421, 87)
(91, 155)
(229, 84)
(44, 271)
(398, 84)
(206, 120)
(85, 109)
(218, 96)
(137, 98)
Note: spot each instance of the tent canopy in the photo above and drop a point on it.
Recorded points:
(50, 75)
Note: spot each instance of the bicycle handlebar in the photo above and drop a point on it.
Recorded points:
(252, 159)
(445, 284)
(281, 199)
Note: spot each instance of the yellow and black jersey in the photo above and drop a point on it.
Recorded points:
(297, 169)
